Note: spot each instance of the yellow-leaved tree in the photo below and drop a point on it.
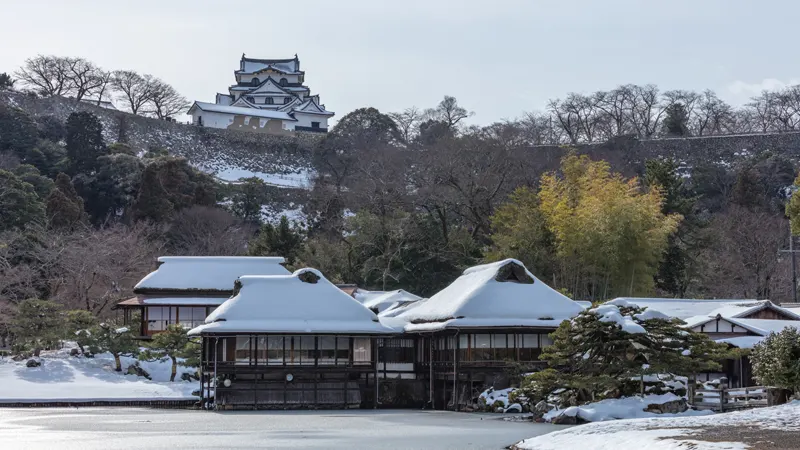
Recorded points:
(609, 233)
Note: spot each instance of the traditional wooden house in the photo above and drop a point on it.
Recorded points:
(468, 335)
(184, 290)
(739, 323)
(290, 341)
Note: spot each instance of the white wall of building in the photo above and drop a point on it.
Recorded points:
(304, 120)
(223, 120)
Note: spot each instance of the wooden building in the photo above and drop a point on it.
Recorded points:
(184, 290)
(738, 323)
(290, 341)
(492, 318)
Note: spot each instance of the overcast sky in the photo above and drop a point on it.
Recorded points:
(498, 57)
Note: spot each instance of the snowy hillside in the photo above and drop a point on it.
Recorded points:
(69, 378)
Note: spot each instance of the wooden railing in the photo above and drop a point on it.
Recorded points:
(729, 399)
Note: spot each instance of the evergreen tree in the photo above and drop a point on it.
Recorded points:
(793, 208)
(78, 324)
(30, 174)
(113, 188)
(169, 184)
(6, 82)
(673, 272)
(64, 206)
(37, 324)
(676, 121)
(248, 196)
(19, 204)
(170, 345)
(282, 240)
(47, 156)
(114, 339)
(18, 131)
(51, 128)
(84, 142)
(603, 348)
(776, 360)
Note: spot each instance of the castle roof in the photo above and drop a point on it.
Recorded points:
(253, 65)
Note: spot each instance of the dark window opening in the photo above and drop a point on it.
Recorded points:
(286, 100)
(314, 124)
(284, 82)
(255, 82)
(251, 99)
(269, 101)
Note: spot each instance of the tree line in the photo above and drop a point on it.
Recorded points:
(394, 204)
(83, 80)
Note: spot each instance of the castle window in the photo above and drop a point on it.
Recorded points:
(251, 99)
(314, 124)
(255, 82)
(284, 82)
(287, 100)
(269, 101)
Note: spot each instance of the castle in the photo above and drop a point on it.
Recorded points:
(269, 96)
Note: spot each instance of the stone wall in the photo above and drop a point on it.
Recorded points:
(211, 148)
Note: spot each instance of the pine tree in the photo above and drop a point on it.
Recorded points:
(114, 339)
(776, 360)
(283, 240)
(19, 204)
(37, 324)
(78, 324)
(676, 121)
(248, 196)
(64, 207)
(169, 184)
(18, 131)
(84, 142)
(170, 345)
(6, 82)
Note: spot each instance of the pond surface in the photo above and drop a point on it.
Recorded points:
(131, 428)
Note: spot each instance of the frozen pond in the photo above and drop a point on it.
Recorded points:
(129, 428)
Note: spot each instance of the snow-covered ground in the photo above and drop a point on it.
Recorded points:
(621, 408)
(68, 378)
(302, 178)
(674, 433)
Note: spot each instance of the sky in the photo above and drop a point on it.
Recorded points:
(499, 58)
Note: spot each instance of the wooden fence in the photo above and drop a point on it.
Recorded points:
(729, 399)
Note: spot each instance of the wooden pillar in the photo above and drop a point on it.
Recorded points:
(430, 372)
(202, 371)
(375, 364)
(455, 372)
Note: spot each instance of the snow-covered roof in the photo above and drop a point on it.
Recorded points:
(500, 294)
(310, 106)
(302, 302)
(242, 111)
(206, 273)
(385, 300)
(683, 308)
(252, 65)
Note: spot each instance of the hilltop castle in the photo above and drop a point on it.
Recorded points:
(269, 96)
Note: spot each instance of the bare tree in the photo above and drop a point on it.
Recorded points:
(566, 120)
(104, 78)
(711, 116)
(408, 122)
(207, 231)
(46, 75)
(135, 89)
(97, 268)
(744, 260)
(646, 110)
(449, 112)
(84, 77)
(166, 100)
(616, 105)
